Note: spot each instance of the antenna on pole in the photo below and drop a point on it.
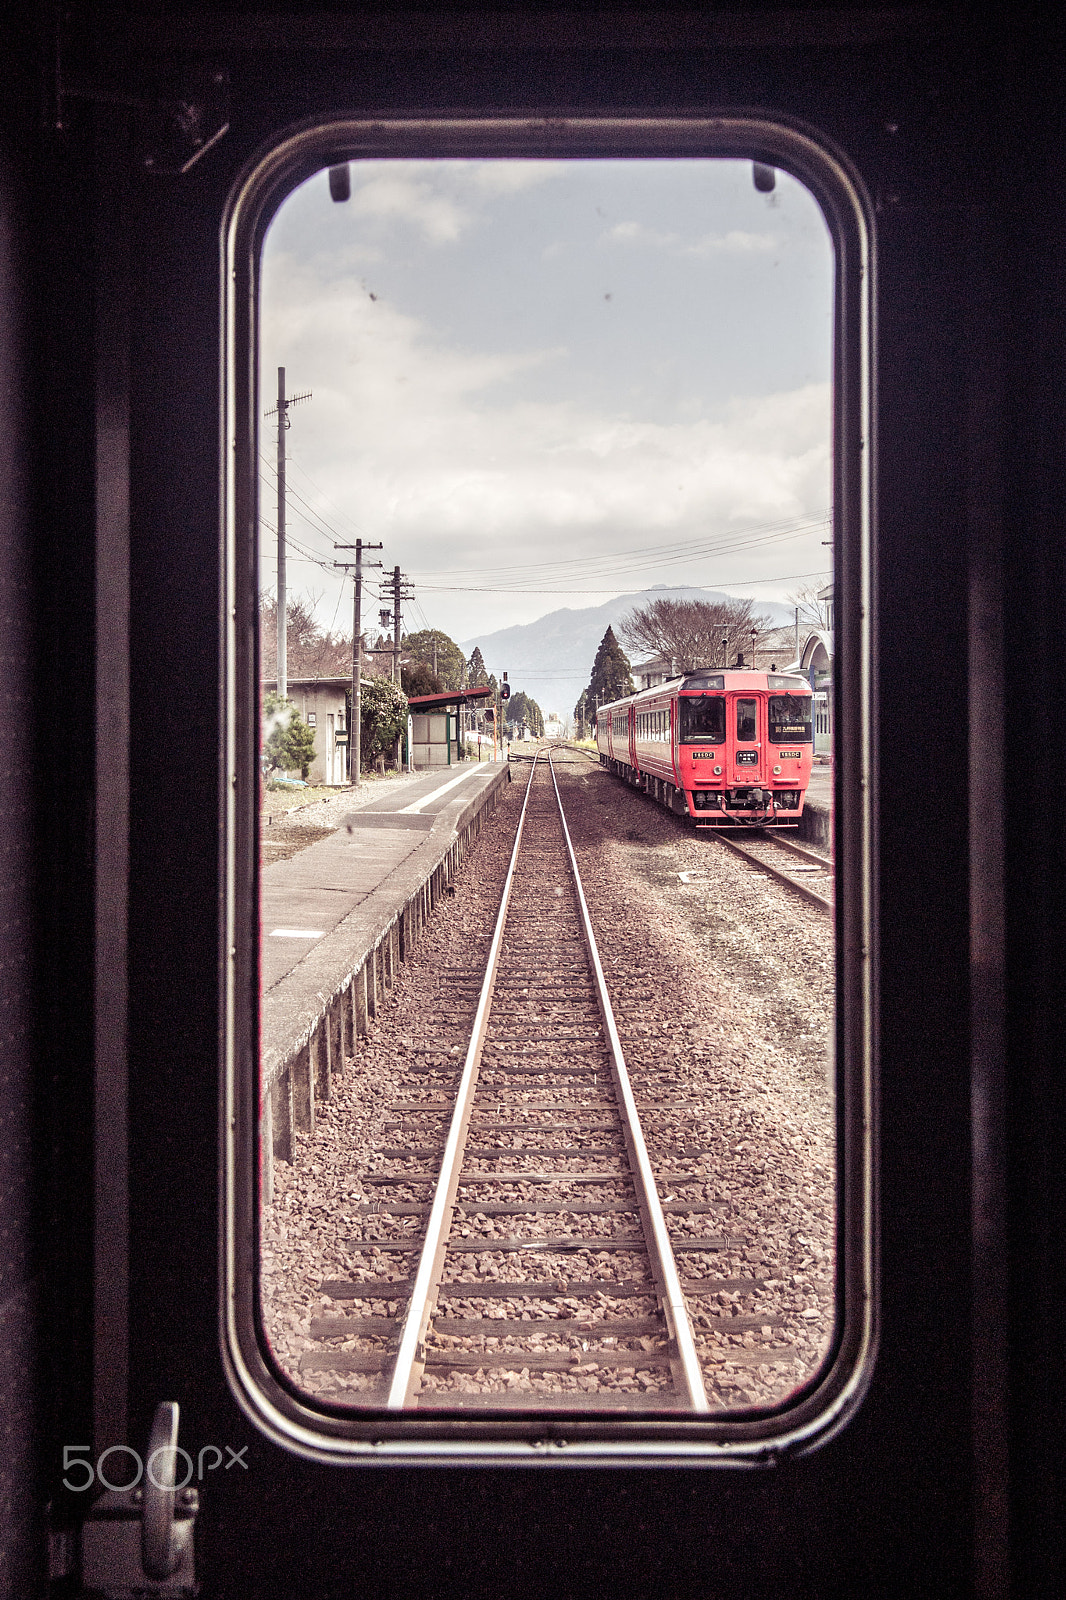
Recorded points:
(281, 411)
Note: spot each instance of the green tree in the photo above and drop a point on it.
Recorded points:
(440, 654)
(288, 743)
(382, 717)
(523, 708)
(476, 672)
(610, 679)
(419, 678)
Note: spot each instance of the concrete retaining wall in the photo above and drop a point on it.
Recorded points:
(816, 825)
(304, 1045)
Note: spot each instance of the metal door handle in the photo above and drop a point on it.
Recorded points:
(164, 1538)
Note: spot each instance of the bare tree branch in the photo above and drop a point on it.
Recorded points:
(695, 633)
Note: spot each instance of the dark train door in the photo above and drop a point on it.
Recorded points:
(145, 198)
(747, 738)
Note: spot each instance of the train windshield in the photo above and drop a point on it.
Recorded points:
(702, 718)
(493, 393)
(790, 718)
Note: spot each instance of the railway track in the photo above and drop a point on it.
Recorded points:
(522, 1184)
(808, 873)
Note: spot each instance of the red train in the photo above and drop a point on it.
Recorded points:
(727, 748)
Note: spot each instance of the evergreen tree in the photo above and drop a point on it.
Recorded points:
(288, 743)
(523, 708)
(610, 678)
(476, 672)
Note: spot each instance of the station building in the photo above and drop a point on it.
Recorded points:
(321, 703)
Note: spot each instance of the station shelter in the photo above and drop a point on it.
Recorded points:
(435, 729)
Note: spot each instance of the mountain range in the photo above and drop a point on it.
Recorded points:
(551, 659)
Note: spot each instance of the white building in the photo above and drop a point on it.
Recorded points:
(815, 662)
(649, 674)
(321, 703)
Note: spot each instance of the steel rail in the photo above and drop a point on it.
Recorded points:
(688, 1374)
(820, 900)
(782, 841)
(411, 1351)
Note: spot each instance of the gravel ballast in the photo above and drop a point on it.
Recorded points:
(723, 990)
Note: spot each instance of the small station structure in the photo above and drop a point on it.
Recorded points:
(322, 705)
(436, 733)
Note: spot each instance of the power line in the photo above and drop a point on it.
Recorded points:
(785, 528)
(731, 583)
(294, 494)
(614, 570)
(306, 555)
(344, 515)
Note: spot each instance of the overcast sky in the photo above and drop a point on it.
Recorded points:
(541, 383)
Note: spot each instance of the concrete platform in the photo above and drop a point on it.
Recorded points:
(336, 921)
(305, 899)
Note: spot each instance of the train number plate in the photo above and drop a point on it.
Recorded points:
(788, 755)
(704, 755)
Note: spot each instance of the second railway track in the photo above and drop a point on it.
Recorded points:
(808, 873)
(528, 1163)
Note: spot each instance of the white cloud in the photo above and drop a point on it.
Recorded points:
(736, 242)
(435, 449)
(637, 233)
(442, 199)
(468, 449)
(511, 177)
(391, 196)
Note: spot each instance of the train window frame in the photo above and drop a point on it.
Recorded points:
(328, 1433)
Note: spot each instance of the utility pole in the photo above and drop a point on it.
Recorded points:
(398, 594)
(355, 754)
(282, 410)
(395, 624)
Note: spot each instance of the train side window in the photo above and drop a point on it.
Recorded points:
(461, 341)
